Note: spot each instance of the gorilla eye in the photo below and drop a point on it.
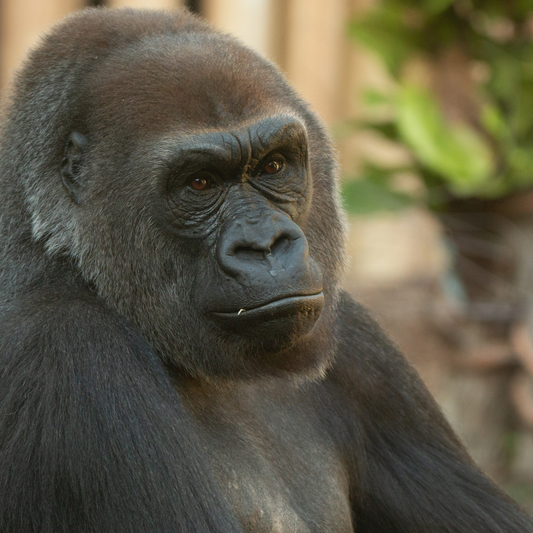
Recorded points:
(200, 183)
(273, 166)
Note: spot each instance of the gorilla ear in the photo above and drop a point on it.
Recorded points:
(72, 164)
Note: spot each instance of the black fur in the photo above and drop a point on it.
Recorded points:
(175, 352)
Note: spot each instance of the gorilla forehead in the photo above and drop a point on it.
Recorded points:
(198, 81)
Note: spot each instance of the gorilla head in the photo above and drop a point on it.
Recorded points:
(177, 172)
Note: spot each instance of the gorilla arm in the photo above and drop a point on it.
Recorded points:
(94, 438)
(413, 475)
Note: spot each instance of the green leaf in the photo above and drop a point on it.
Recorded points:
(435, 7)
(372, 97)
(365, 196)
(521, 166)
(522, 120)
(505, 75)
(494, 122)
(454, 151)
(384, 32)
(386, 129)
(347, 127)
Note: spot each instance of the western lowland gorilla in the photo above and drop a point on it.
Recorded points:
(176, 354)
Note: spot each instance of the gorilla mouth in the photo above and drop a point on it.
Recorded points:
(285, 306)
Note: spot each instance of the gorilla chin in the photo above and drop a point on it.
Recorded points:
(291, 337)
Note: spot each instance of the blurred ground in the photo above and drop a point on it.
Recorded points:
(398, 264)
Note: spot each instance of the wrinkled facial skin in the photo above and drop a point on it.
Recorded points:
(203, 214)
(242, 195)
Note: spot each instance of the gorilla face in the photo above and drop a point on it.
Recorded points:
(192, 186)
(242, 193)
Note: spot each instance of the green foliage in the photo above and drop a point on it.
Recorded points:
(488, 156)
(373, 193)
(434, 7)
(382, 30)
(454, 151)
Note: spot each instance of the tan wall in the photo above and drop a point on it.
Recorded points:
(315, 53)
(22, 22)
(250, 20)
(147, 4)
(307, 38)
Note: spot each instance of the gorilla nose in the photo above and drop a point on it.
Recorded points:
(252, 247)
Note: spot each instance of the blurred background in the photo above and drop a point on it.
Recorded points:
(431, 105)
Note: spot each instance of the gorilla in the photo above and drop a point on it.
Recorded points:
(176, 354)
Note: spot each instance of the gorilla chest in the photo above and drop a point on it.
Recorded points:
(277, 469)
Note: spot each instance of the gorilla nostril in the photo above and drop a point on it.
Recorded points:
(247, 253)
(281, 245)
(273, 244)
(255, 252)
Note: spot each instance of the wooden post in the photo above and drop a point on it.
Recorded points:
(146, 4)
(21, 24)
(249, 20)
(316, 51)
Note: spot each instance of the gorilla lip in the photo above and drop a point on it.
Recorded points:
(284, 305)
